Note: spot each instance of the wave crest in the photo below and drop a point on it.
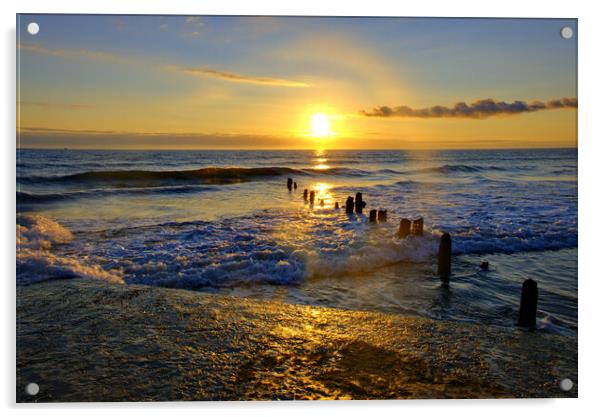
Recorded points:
(36, 236)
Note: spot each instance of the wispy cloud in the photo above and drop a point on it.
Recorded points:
(234, 77)
(194, 20)
(194, 71)
(479, 109)
(70, 53)
(57, 105)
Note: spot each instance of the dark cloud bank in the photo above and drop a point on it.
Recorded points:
(479, 109)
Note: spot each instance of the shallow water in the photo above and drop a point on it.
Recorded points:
(171, 221)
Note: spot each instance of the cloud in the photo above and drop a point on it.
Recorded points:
(40, 137)
(195, 71)
(57, 105)
(234, 77)
(194, 20)
(70, 53)
(479, 109)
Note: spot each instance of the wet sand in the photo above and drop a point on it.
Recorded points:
(86, 340)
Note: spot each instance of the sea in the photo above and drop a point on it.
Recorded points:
(224, 222)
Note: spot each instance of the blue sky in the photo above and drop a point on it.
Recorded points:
(132, 74)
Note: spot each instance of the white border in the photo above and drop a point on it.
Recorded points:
(590, 202)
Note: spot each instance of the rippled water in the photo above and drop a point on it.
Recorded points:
(224, 221)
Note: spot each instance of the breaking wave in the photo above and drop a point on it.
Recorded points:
(36, 237)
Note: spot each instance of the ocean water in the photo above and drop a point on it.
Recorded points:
(224, 222)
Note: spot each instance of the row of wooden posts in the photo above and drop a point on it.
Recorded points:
(529, 293)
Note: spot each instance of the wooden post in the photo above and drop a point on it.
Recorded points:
(359, 203)
(484, 265)
(305, 194)
(349, 205)
(528, 304)
(295, 185)
(321, 202)
(445, 249)
(404, 228)
(382, 215)
(336, 205)
(312, 197)
(372, 216)
(418, 226)
(289, 184)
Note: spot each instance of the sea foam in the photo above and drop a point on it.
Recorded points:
(36, 237)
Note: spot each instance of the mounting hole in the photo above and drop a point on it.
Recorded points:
(33, 28)
(566, 32)
(566, 384)
(32, 388)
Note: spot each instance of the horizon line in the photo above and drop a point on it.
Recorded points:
(67, 148)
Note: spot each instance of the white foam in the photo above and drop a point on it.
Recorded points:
(36, 237)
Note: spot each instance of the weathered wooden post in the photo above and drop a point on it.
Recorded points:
(372, 216)
(528, 304)
(349, 205)
(418, 226)
(305, 194)
(321, 202)
(336, 205)
(295, 185)
(445, 250)
(312, 197)
(404, 228)
(382, 215)
(289, 184)
(359, 203)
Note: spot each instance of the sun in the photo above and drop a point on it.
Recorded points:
(320, 125)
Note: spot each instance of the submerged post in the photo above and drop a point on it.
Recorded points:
(359, 203)
(445, 249)
(418, 226)
(528, 304)
(321, 202)
(305, 194)
(289, 184)
(349, 205)
(336, 205)
(372, 216)
(382, 215)
(404, 228)
(312, 197)
(295, 185)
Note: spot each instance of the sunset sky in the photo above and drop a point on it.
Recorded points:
(262, 82)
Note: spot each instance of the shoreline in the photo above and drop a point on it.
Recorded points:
(85, 340)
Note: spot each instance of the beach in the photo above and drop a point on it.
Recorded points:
(86, 340)
(160, 275)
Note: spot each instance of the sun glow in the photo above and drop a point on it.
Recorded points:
(320, 125)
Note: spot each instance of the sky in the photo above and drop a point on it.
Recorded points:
(213, 82)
